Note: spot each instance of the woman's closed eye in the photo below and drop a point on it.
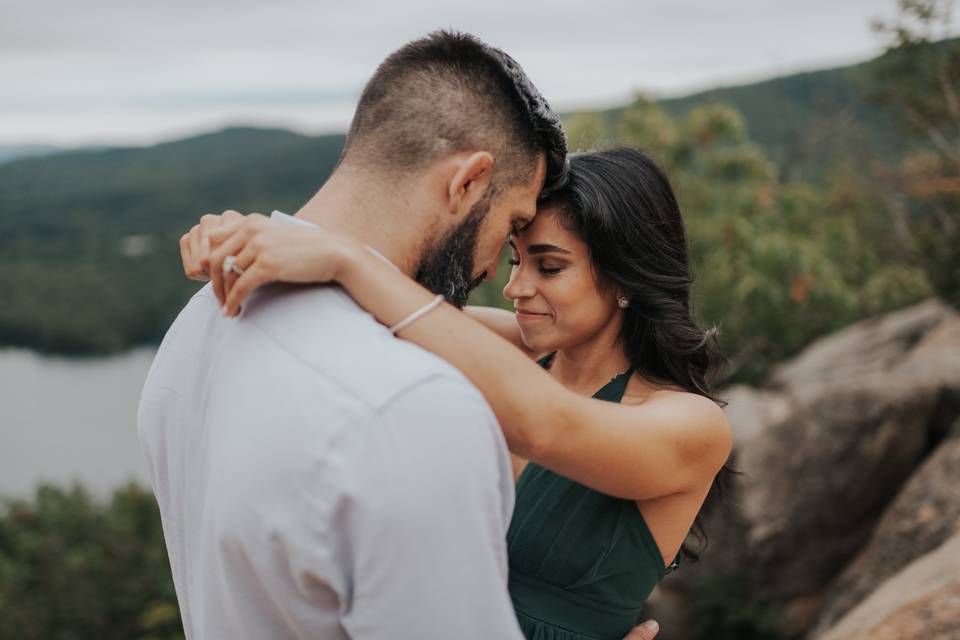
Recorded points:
(543, 268)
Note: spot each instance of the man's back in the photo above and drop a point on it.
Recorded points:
(319, 478)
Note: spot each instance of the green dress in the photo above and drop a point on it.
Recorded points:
(581, 562)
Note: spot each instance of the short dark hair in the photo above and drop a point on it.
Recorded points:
(449, 91)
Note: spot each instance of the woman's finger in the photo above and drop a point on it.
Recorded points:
(196, 252)
(252, 278)
(189, 257)
(230, 216)
(216, 236)
(252, 221)
(211, 221)
(243, 261)
(208, 222)
(217, 256)
(230, 246)
(185, 255)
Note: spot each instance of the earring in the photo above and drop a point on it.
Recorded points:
(623, 302)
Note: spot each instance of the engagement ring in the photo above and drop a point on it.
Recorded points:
(230, 264)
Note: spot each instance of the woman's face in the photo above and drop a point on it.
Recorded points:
(558, 301)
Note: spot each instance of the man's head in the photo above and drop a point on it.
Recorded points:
(462, 121)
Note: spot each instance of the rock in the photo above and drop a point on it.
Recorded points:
(825, 474)
(750, 411)
(936, 361)
(870, 348)
(921, 601)
(828, 452)
(864, 408)
(923, 516)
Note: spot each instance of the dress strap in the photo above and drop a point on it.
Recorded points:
(617, 386)
(546, 360)
(612, 391)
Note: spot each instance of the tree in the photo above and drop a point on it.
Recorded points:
(919, 80)
(72, 568)
(775, 264)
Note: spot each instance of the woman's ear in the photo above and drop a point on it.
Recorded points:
(469, 181)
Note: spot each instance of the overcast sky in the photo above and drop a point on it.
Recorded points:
(103, 72)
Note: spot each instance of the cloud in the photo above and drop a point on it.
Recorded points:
(66, 65)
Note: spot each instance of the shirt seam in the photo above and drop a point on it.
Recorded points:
(327, 378)
(431, 377)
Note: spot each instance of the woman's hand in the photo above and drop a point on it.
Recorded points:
(195, 244)
(263, 251)
(268, 251)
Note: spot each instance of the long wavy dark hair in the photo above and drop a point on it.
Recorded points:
(621, 204)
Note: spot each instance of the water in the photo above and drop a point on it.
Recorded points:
(66, 419)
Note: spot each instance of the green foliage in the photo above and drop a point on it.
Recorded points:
(806, 122)
(583, 131)
(74, 569)
(918, 80)
(776, 263)
(88, 241)
(89, 260)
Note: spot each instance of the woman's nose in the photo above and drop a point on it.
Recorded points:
(515, 287)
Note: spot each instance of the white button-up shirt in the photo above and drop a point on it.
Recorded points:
(319, 478)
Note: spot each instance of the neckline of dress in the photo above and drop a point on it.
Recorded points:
(548, 359)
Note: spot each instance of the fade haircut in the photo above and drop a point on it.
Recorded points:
(450, 92)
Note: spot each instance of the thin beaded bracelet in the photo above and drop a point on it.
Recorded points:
(416, 315)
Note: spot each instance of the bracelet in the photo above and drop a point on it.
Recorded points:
(416, 315)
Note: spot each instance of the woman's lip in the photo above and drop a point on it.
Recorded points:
(530, 314)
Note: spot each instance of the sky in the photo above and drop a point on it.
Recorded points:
(102, 72)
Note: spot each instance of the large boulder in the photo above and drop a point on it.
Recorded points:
(817, 482)
(870, 348)
(825, 449)
(830, 442)
(752, 411)
(921, 601)
(923, 516)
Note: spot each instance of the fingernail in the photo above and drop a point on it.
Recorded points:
(224, 310)
(652, 625)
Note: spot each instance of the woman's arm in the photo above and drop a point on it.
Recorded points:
(666, 445)
(504, 324)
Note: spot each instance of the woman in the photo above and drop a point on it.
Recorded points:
(616, 437)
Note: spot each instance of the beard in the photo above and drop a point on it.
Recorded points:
(447, 267)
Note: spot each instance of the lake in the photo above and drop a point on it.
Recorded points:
(66, 419)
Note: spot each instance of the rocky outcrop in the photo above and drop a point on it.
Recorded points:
(871, 348)
(923, 516)
(921, 601)
(826, 473)
(866, 407)
(848, 471)
(750, 411)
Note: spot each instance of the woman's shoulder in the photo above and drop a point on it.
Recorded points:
(703, 421)
(642, 390)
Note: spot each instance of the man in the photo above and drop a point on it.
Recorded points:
(316, 477)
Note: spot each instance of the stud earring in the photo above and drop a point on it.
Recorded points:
(623, 302)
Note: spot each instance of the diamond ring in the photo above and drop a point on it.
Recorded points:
(230, 264)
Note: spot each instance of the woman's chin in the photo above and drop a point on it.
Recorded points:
(537, 342)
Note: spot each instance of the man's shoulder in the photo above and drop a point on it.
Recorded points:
(327, 333)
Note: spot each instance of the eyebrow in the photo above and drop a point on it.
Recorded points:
(536, 249)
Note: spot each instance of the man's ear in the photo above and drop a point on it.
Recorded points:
(469, 181)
